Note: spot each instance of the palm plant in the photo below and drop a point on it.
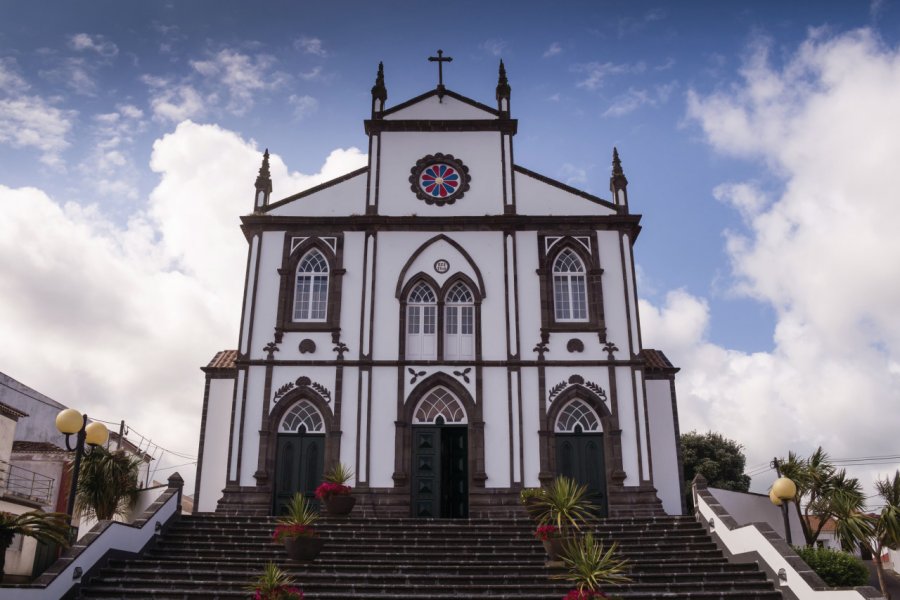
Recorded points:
(589, 564)
(886, 531)
(300, 512)
(274, 584)
(564, 504)
(339, 474)
(107, 483)
(44, 527)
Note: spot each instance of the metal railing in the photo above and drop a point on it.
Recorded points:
(24, 483)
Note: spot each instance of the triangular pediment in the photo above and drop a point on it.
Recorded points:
(343, 195)
(540, 195)
(432, 106)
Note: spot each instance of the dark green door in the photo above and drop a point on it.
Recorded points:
(580, 456)
(440, 474)
(298, 467)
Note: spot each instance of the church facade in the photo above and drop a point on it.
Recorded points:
(451, 325)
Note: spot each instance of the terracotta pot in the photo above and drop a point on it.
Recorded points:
(554, 548)
(303, 548)
(339, 505)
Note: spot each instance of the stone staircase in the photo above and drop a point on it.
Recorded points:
(217, 556)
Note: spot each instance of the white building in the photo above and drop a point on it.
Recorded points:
(451, 325)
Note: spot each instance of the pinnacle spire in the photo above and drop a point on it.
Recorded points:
(263, 183)
(616, 163)
(503, 89)
(618, 183)
(379, 91)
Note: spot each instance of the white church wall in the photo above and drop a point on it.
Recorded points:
(384, 414)
(632, 298)
(666, 477)
(351, 291)
(479, 151)
(627, 420)
(213, 471)
(642, 424)
(236, 430)
(516, 433)
(349, 410)
(534, 197)
(252, 425)
(267, 290)
(448, 108)
(495, 411)
(613, 290)
(345, 198)
(529, 291)
(249, 294)
(530, 426)
(442, 249)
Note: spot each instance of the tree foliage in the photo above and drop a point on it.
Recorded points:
(720, 460)
(107, 483)
(837, 569)
(44, 527)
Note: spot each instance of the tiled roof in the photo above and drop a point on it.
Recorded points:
(23, 446)
(656, 360)
(223, 360)
(12, 413)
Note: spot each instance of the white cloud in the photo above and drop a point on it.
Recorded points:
(596, 73)
(495, 47)
(177, 103)
(75, 74)
(553, 50)
(635, 98)
(242, 75)
(311, 45)
(574, 175)
(10, 81)
(311, 75)
(108, 166)
(32, 122)
(122, 316)
(303, 106)
(821, 250)
(96, 43)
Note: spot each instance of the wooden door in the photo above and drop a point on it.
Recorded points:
(440, 475)
(298, 467)
(580, 456)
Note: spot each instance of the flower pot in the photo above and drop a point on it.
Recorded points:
(339, 505)
(554, 548)
(303, 548)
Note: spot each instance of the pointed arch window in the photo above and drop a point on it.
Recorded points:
(421, 322)
(459, 323)
(439, 406)
(569, 287)
(302, 414)
(577, 417)
(311, 290)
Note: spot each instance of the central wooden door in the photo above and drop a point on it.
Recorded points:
(298, 467)
(440, 474)
(580, 457)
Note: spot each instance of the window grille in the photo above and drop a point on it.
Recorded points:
(439, 402)
(569, 287)
(577, 413)
(305, 414)
(311, 292)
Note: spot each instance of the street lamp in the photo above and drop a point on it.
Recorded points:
(72, 422)
(783, 491)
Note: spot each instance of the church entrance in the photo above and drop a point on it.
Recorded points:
(440, 457)
(579, 451)
(300, 454)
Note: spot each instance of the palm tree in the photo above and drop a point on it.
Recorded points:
(44, 527)
(886, 532)
(107, 483)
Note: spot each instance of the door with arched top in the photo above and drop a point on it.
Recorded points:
(440, 458)
(300, 454)
(579, 451)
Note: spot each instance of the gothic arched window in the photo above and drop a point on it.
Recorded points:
(569, 287)
(459, 323)
(421, 322)
(439, 403)
(304, 414)
(311, 291)
(577, 415)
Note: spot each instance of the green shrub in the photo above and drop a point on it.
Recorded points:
(838, 569)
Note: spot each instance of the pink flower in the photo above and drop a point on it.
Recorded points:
(283, 532)
(584, 595)
(545, 532)
(328, 489)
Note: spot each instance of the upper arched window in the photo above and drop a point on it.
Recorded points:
(311, 291)
(439, 406)
(569, 287)
(577, 417)
(421, 322)
(302, 414)
(459, 323)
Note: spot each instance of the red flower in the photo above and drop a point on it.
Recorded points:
(545, 532)
(283, 592)
(327, 490)
(292, 531)
(584, 595)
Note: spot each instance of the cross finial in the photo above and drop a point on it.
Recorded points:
(440, 59)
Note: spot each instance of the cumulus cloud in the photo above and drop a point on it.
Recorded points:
(176, 102)
(32, 122)
(820, 248)
(122, 316)
(11, 81)
(94, 43)
(242, 75)
(108, 166)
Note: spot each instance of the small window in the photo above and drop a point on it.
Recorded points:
(304, 414)
(576, 417)
(311, 291)
(439, 403)
(569, 287)
(459, 323)
(421, 322)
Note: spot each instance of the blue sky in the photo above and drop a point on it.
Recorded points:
(124, 128)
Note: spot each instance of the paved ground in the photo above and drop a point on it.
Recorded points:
(892, 580)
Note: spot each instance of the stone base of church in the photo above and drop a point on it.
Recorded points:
(626, 501)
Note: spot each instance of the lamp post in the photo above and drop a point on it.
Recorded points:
(783, 491)
(71, 422)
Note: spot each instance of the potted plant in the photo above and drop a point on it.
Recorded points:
(565, 504)
(335, 493)
(44, 527)
(529, 498)
(275, 584)
(552, 539)
(296, 532)
(589, 564)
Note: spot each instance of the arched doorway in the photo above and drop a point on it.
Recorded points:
(579, 450)
(300, 453)
(440, 473)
